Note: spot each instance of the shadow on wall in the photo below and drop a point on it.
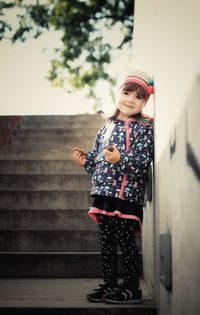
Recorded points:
(193, 129)
(192, 121)
(177, 212)
(184, 142)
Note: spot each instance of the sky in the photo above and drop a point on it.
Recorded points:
(25, 91)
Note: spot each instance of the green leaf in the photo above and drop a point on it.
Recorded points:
(86, 52)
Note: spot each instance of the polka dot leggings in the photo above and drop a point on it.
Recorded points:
(113, 231)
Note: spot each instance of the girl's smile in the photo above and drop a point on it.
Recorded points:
(129, 104)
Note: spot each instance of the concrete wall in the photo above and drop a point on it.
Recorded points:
(167, 44)
(148, 236)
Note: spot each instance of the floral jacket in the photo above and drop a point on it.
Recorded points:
(128, 178)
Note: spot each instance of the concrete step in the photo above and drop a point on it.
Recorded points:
(41, 152)
(66, 132)
(64, 297)
(53, 140)
(48, 241)
(61, 118)
(45, 182)
(46, 219)
(51, 264)
(45, 199)
(81, 124)
(40, 167)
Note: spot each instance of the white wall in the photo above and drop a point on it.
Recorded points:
(167, 44)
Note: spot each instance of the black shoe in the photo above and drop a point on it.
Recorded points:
(98, 293)
(123, 295)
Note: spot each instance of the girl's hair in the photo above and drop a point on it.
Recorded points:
(132, 87)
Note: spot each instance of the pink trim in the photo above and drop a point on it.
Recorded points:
(139, 82)
(127, 216)
(129, 120)
(122, 186)
(143, 123)
(93, 211)
(93, 216)
(127, 134)
(127, 147)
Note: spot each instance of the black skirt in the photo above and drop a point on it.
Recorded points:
(116, 207)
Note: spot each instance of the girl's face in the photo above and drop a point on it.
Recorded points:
(130, 101)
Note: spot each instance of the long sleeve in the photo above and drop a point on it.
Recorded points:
(91, 155)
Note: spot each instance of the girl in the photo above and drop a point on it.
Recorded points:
(119, 164)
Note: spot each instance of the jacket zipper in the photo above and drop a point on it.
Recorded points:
(127, 147)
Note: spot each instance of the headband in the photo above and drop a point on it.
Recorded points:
(148, 87)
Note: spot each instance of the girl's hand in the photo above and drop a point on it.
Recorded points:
(112, 154)
(78, 156)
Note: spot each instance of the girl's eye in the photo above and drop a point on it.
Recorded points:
(125, 93)
(139, 97)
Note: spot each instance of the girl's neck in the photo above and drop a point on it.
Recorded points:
(123, 117)
(139, 116)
